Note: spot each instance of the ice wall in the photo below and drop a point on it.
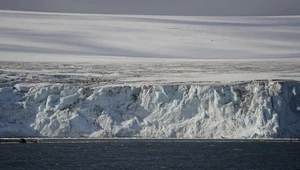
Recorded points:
(257, 109)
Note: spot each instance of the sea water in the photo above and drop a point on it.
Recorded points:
(151, 155)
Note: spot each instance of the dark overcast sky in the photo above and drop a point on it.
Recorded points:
(159, 7)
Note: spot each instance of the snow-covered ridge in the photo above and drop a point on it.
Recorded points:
(256, 109)
(27, 36)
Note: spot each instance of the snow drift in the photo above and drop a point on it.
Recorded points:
(256, 109)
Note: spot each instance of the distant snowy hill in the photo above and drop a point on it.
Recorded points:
(70, 37)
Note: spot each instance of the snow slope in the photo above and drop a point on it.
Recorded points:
(30, 36)
(256, 109)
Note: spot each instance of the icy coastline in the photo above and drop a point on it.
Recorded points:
(254, 109)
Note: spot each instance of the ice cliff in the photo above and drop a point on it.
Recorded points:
(256, 109)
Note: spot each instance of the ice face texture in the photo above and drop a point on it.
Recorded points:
(256, 109)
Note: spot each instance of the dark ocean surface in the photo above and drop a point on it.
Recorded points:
(151, 155)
